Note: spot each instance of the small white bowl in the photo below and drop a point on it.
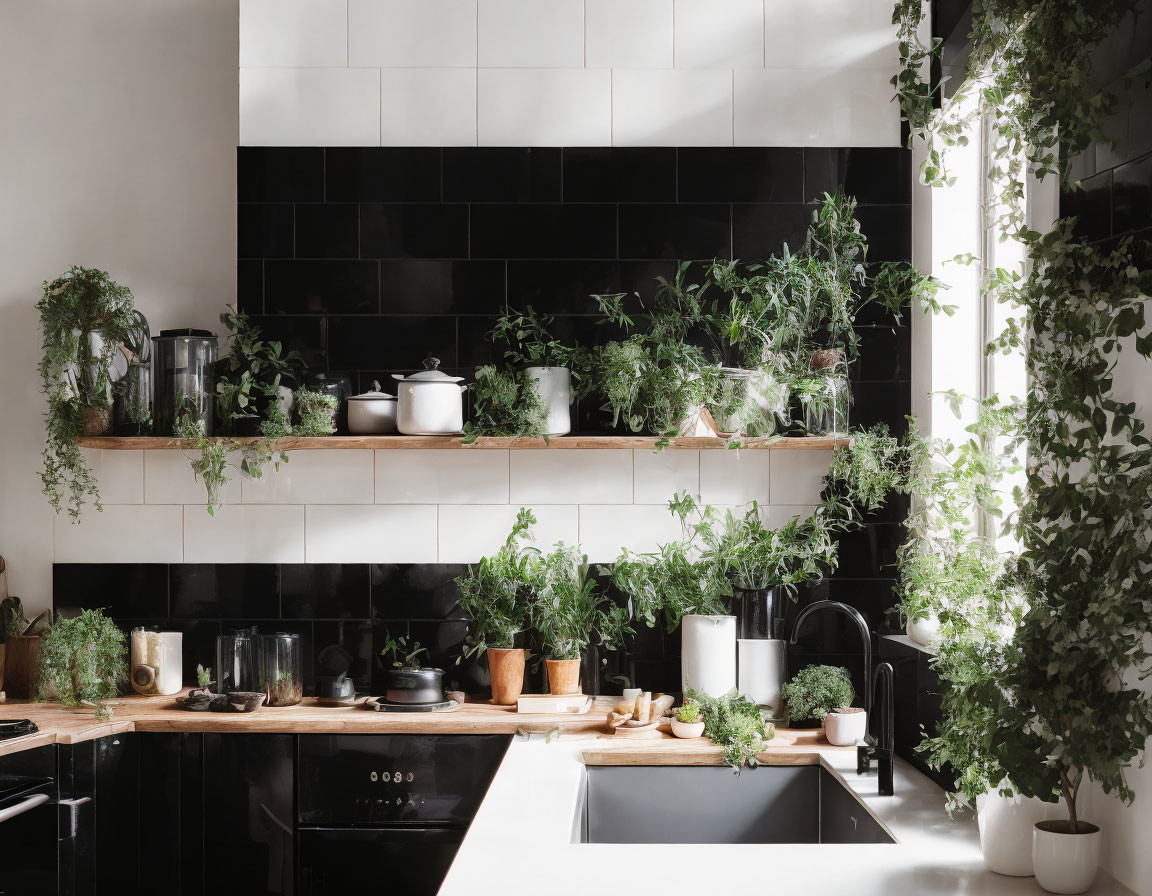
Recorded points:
(687, 729)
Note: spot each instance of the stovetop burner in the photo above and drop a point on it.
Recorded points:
(16, 728)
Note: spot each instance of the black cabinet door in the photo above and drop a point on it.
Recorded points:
(401, 861)
(28, 838)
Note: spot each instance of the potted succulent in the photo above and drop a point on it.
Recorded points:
(407, 680)
(814, 692)
(83, 662)
(688, 720)
(496, 594)
(545, 362)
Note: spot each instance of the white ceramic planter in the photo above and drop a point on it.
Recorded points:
(925, 631)
(1066, 863)
(843, 729)
(761, 671)
(1005, 825)
(554, 384)
(687, 729)
(708, 654)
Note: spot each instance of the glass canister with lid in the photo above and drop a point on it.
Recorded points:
(280, 669)
(184, 379)
(238, 661)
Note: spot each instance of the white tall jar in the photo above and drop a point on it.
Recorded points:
(554, 385)
(708, 654)
(762, 672)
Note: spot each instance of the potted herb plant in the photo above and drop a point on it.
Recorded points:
(545, 361)
(506, 403)
(736, 724)
(496, 594)
(83, 661)
(315, 413)
(252, 377)
(814, 692)
(688, 720)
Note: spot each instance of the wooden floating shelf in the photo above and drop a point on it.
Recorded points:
(439, 443)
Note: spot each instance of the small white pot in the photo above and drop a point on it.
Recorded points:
(708, 654)
(844, 729)
(1066, 863)
(554, 384)
(687, 729)
(372, 413)
(430, 403)
(762, 672)
(925, 631)
(1005, 825)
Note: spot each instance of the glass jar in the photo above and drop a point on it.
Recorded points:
(238, 661)
(339, 386)
(280, 665)
(184, 379)
(828, 399)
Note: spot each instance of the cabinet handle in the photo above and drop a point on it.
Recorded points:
(73, 807)
(25, 805)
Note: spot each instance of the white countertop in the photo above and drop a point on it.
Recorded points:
(525, 836)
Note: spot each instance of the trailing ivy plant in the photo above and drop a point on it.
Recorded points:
(83, 661)
(506, 403)
(84, 317)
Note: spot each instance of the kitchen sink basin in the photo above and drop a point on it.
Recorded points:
(703, 804)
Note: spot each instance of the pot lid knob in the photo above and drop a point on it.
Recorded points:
(431, 363)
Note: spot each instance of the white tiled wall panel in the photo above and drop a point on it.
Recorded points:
(441, 477)
(796, 476)
(848, 33)
(724, 35)
(376, 534)
(314, 477)
(661, 474)
(293, 33)
(578, 476)
(310, 106)
(604, 530)
(120, 474)
(530, 33)
(671, 107)
(123, 533)
(735, 477)
(412, 33)
(544, 107)
(244, 533)
(628, 34)
(428, 107)
(168, 479)
(471, 531)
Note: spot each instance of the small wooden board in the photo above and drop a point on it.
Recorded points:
(568, 704)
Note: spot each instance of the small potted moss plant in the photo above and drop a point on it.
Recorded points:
(83, 662)
(315, 413)
(814, 692)
(688, 720)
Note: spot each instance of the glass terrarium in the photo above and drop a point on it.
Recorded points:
(132, 408)
(238, 661)
(184, 380)
(280, 665)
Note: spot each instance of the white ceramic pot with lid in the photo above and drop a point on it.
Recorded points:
(372, 413)
(430, 403)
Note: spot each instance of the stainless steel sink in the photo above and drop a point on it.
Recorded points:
(703, 804)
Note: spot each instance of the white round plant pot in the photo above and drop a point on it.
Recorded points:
(1065, 863)
(554, 385)
(1005, 824)
(761, 672)
(708, 654)
(844, 729)
(924, 631)
(687, 729)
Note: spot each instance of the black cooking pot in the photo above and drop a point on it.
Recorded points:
(414, 686)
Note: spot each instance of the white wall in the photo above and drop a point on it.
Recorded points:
(567, 72)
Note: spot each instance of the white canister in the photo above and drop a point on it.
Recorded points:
(430, 403)
(372, 412)
(1066, 863)
(157, 662)
(1005, 824)
(554, 385)
(708, 654)
(762, 672)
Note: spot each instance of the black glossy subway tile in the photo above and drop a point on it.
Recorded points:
(413, 231)
(1140, 118)
(122, 590)
(250, 286)
(762, 230)
(1132, 196)
(225, 590)
(619, 174)
(872, 175)
(888, 403)
(889, 231)
(675, 231)
(317, 287)
(304, 334)
(382, 174)
(280, 173)
(343, 646)
(1091, 206)
(438, 286)
(869, 552)
(329, 230)
(264, 230)
(502, 174)
(390, 343)
(475, 347)
(543, 231)
(740, 174)
(568, 287)
(885, 354)
(416, 591)
(324, 590)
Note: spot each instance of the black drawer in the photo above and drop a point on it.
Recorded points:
(412, 861)
(372, 779)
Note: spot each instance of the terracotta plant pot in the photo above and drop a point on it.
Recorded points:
(506, 667)
(564, 676)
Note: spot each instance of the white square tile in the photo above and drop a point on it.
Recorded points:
(412, 33)
(570, 476)
(469, 532)
(798, 476)
(123, 533)
(815, 107)
(293, 33)
(375, 534)
(120, 474)
(628, 33)
(777, 515)
(412, 476)
(428, 107)
(544, 107)
(605, 529)
(168, 479)
(530, 33)
(661, 474)
(671, 107)
(726, 34)
(730, 476)
(310, 107)
(244, 533)
(336, 476)
(830, 33)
